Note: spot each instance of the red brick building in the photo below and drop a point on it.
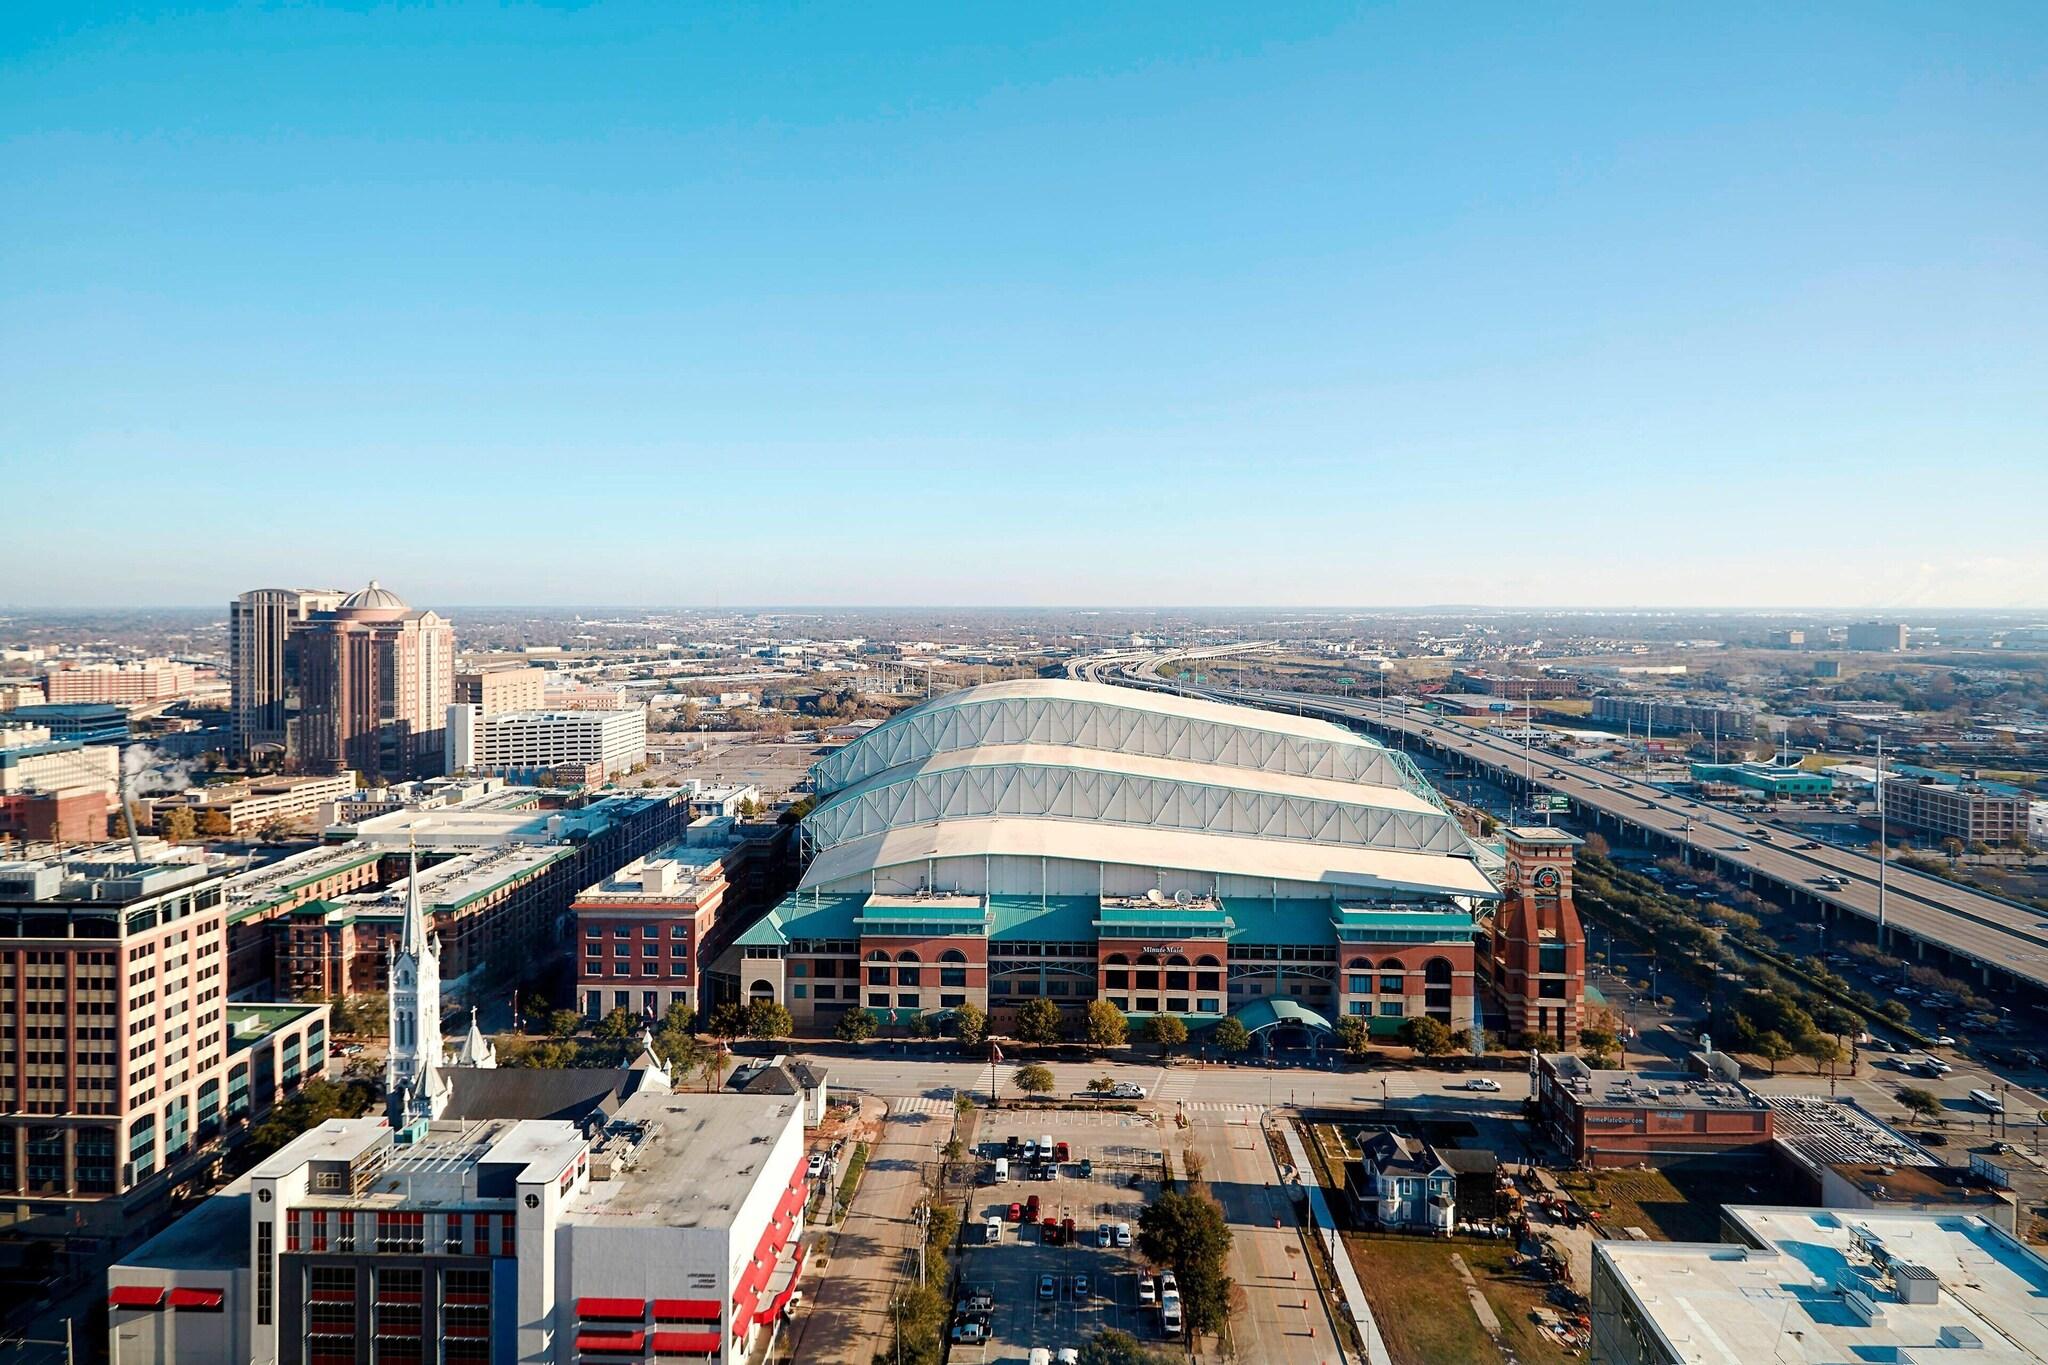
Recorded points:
(1632, 1118)
(1536, 945)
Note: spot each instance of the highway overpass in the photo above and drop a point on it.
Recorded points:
(1925, 918)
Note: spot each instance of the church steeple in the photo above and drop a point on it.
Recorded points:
(414, 1093)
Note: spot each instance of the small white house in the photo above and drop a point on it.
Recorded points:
(1405, 1184)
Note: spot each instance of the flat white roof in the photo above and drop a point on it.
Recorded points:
(1729, 1304)
(1290, 860)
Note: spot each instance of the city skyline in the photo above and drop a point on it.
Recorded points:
(1314, 305)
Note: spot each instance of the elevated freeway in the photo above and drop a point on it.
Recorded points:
(1924, 917)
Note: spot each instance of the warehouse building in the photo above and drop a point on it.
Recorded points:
(1804, 1284)
(1066, 840)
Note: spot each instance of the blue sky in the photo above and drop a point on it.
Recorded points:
(1180, 303)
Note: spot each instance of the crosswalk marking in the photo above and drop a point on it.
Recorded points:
(929, 1105)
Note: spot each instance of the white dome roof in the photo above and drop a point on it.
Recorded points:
(373, 598)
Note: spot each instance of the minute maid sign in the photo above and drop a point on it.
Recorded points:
(1161, 948)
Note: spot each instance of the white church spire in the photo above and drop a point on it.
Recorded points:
(413, 1092)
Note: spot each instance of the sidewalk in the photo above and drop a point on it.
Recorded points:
(864, 1259)
(1326, 1229)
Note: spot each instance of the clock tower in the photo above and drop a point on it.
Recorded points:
(1538, 947)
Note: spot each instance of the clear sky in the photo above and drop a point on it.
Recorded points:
(1379, 304)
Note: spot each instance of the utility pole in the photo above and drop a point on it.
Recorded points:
(1883, 849)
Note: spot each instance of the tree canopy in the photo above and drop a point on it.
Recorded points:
(1231, 1035)
(1188, 1233)
(1107, 1026)
(1038, 1021)
(857, 1026)
(1166, 1031)
(1034, 1079)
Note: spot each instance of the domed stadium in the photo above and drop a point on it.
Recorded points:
(1068, 840)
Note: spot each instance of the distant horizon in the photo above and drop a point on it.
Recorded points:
(811, 608)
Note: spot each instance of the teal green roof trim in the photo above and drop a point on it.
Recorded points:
(1166, 914)
(762, 933)
(1263, 921)
(1042, 919)
(804, 916)
(1440, 921)
(1262, 1014)
(883, 914)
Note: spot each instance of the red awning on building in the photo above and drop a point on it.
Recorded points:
(197, 1298)
(623, 1310)
(136, 1296)
(686, 1310)
(685, 1343)
(633, 1342)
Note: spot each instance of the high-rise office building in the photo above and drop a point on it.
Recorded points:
(375, 679)
(258, 624)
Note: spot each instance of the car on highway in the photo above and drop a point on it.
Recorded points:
(1808, 844)
(1944, 1040)
(1048, 1287)
(1740, 847)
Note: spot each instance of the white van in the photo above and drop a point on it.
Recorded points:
(1169, 1313)
(992, 1231)
(1045, 1148)
(1002, 1170)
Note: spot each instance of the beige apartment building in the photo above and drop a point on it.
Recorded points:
(502, 689)
(139, 683)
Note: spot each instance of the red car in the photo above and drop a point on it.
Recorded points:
(1031, 1208)
(1016, 1213)
(1059, 1151)
(1049, 1232)
(1067, 1231)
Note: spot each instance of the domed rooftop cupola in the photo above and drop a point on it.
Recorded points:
(375, 599)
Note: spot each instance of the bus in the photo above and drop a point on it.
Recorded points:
(1986, 1100)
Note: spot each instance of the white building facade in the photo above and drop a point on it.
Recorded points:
(531, 741)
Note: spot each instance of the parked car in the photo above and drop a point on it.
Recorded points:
(1081, 1285)
(1059, 1151)
(1016, 1213)
(1148, 1291)
(1087, 1167)
(1168, 1284)
(1049, 1232)
(1123, 1234)
(1105, 1236)
(970, 1330)
(976, 1300)
(815, 1167)
(1048, 1287)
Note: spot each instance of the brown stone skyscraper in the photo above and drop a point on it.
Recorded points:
(375, 679)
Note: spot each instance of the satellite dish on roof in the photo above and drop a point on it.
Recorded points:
(1181, 897)
(1156, 896)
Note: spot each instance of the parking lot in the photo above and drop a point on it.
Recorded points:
(1120, 1146)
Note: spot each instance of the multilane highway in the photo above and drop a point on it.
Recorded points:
(1921, 914)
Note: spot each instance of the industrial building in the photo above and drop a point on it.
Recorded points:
(1067, 840)
(1970, 811)
(674, 1230)
(1803, 1284)
(1601, 1119)
(1517, 686)
(85, 722)
(1884, 637)
(586, 746)
(1773, 780)
(1674, 715)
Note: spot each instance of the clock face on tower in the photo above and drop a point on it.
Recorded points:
(1547, 879)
